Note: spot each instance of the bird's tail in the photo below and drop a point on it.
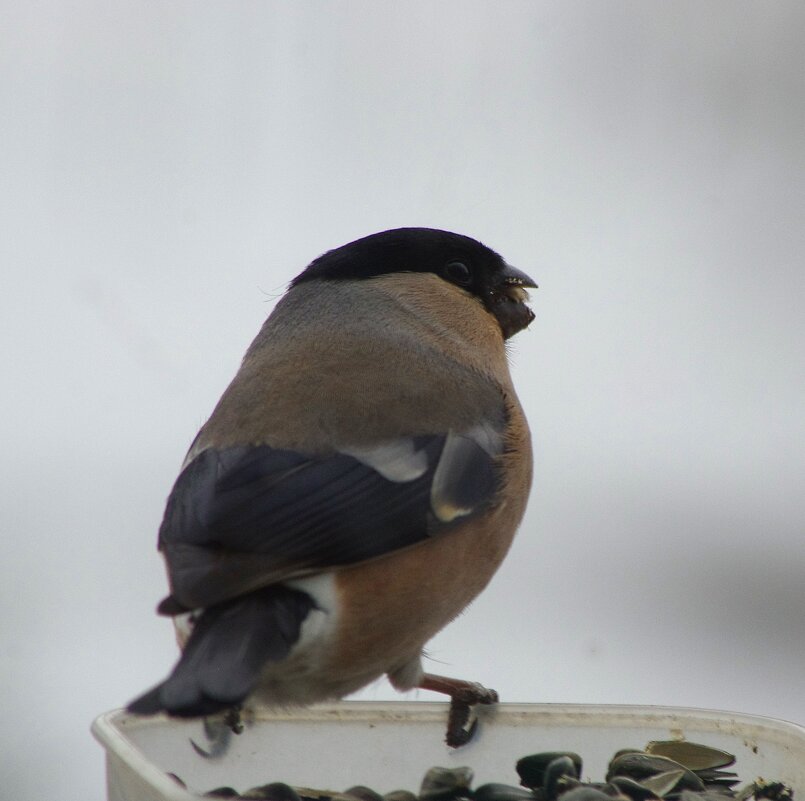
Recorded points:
(229, 646)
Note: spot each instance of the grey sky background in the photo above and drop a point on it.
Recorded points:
(167, 168)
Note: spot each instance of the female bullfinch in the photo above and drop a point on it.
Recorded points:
(357, 485)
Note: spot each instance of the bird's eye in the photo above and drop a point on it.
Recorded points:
(457, 272)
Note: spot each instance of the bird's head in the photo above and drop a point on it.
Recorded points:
(457, 259)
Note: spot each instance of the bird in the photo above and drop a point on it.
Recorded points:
(357, 485)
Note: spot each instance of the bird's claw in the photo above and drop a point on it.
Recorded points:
(465, 697)
(218, 732)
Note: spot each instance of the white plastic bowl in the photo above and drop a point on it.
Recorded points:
(389, 746)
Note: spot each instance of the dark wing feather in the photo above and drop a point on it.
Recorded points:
(243, 517)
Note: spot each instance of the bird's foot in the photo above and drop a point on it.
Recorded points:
(463, 696)
(233, 720)
(218, 732)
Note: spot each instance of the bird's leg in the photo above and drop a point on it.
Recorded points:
(463, 695)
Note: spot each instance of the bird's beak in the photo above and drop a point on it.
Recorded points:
(514, 277)
(515, 282)
(510, 304)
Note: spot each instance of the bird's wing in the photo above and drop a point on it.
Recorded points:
(243, 517)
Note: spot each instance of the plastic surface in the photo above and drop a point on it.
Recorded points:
(389, 746)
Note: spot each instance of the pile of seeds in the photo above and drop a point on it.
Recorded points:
(665, 769)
